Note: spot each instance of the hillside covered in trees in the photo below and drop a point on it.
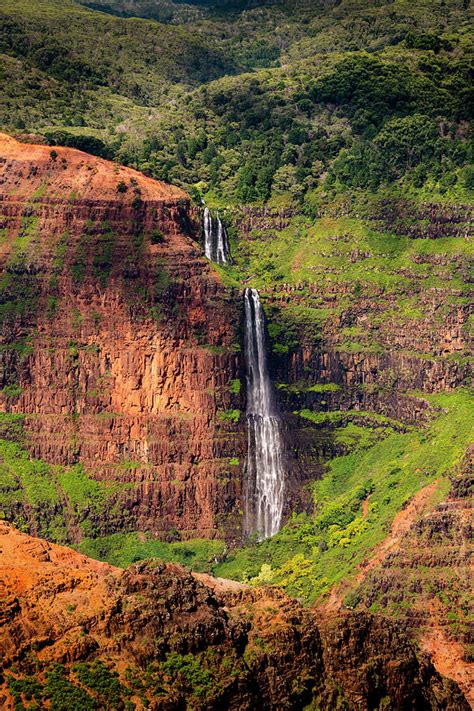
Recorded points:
(317, 98)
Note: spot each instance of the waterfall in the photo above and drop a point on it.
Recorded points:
(216, 243)
(222, 246)
(264, 486)
(208, 233)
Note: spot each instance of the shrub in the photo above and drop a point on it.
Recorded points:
(230, 416)
(12, 391)
(188, 672)
(104, 682)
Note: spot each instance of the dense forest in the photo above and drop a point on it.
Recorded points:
(340, 97)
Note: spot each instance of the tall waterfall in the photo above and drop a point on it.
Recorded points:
(216, 243)
(265, 476)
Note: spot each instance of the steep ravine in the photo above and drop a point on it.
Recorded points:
(121, 354)
(122, 401)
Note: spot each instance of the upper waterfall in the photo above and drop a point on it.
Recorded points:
(265, 475)
(216, 243)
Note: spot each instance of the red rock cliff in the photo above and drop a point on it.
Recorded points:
(118, 340)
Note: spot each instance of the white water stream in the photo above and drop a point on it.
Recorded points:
(265, 475)
(216, 243)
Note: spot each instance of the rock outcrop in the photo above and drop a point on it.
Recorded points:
(155, 636)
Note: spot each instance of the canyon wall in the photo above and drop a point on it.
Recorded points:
(119, 341)
(367, 316)
(120, 347)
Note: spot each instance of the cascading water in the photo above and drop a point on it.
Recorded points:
(265, 475)
(216, 243)
(222, 244)
(208, 233)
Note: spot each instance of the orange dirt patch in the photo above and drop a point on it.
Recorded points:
(20, 555)
(75, 174)
(448, 658)
(365, 507)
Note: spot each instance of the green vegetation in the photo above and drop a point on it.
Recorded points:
(235, 386)
(27, 689)
(335, 417)
(63, 694)
(92, 685)
(122, 549)
(188, 672)
(348, 121)
(12, 391)
(363, 265)
(317, 388)
(351, 97)
(313, 552)
(230, 416)
(89, 687)
(64, 51)
(19, 296)
(32, 491)
(97, 678)
(27, 233)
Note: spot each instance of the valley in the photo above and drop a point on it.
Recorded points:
(235, 357)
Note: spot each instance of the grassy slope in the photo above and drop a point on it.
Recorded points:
(85, 61)
(313, 552)
(47, 499)
(122, 549)
(63, 502)
(306, 251)
(392, 274)
(58, 503)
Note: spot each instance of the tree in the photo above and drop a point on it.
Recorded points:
(405, 142)
(284, 179)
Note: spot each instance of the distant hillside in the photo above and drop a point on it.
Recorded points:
(347, 97)
(86, 50)
(161, 10)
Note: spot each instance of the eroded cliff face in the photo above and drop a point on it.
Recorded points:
(120, 346)
(155, 636)
(119, 341)
(421, 575)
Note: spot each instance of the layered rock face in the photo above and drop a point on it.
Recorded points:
(118, 339)
(157, 637)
